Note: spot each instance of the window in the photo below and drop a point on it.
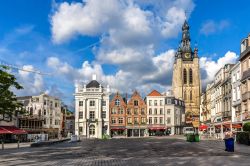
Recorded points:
(155, 111)
(129, 121)
(155, 102)
(238, 92)
(92, 103)
(44, 103)
(150, 102)
(136, 120)
(143, 120)
(150, 120)
(55, 104)
(113, 121)
(80, 103)
(136, 103)
(168, 101)
(190, 76)
(184, 76)
(80, 115)
(44, 111)
(103, 114)
(31, 111)
(185, 95)
(150, 111)
(136, 111)
(168, 120)
(128, 111)
(120, 120)
(80, 129)
(44, 122)
(161, 102)
(113, 111)
(191, 96)
(50, 121)
(92, 115)
(161, 120)
(92, 130)
(155, 120)
(117, 102)
(121, 111)
(103, 103)
(161, 111)
(168, 111)
(143, 111)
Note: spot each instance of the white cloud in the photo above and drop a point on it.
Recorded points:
(32, 83)
(25, 72)
(212, 67)
(124, 18)
(211, 27)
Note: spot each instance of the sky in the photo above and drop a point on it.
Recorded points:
(129, 44)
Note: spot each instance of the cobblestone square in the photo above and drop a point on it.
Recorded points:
(137, 151)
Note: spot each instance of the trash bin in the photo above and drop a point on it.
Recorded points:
(190, 138)
(197, 138)
(229, 144)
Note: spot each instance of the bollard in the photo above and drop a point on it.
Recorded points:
(18, 144)
(2, 145)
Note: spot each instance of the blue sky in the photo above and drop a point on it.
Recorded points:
(128, 44)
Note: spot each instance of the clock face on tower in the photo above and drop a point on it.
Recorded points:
(187, 55)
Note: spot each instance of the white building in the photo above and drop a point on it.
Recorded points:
(156, 113)
(43, 115)
(92, 110)
(236, 95)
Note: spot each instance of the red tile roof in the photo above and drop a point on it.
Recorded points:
(154, 93)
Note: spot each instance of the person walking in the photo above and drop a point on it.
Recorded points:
(229, 141)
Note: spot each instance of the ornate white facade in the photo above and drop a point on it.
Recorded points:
(92, 110)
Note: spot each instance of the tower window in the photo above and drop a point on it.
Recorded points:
(184, 76)
(185, 95)
(191, 97)
(190, 76)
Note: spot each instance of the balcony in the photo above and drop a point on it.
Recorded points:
(245, 75)
(245, 96)
(244, 53)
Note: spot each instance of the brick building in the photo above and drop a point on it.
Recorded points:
(136, 122)
(117, 108)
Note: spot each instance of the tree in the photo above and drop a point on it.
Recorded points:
(9, 105)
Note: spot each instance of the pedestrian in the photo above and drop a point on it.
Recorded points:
(229, 141)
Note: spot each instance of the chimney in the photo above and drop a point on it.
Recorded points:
(94, 77)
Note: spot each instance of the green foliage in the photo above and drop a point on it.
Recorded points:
(243, 138)
(246, 127)
(105, 136)
(8, 103)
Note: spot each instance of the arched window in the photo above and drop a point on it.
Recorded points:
(184, 76)
(185, 95)
(190, 96)
(190, 76)
(92, 130)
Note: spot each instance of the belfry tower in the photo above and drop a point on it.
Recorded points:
(186, 81)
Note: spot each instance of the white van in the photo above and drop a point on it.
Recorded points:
(188, 130)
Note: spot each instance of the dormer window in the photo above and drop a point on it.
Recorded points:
(117, 102)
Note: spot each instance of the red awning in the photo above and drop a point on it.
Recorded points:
(203, 127)
(156, 128)
(11, 130)
(117, 128)
(237, 126)
(4, 131)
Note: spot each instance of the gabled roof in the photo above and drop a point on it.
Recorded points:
(154, 93)
(93, 84)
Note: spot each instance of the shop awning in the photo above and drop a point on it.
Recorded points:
(4, 131)
(117, 128)
(203, 127)
(156, 128)
(11, 130)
